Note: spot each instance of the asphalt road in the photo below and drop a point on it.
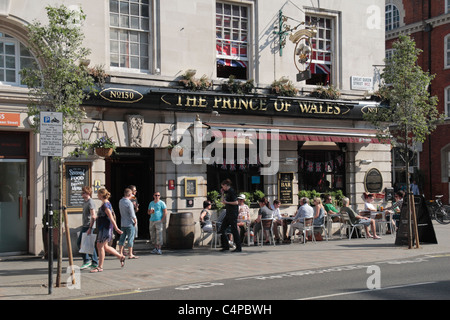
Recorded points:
(424, 278)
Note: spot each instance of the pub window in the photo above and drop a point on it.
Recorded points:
(232, 34)
(245, 176)
(130, 34)
(14, 56)
(321, 170)
(321, 61)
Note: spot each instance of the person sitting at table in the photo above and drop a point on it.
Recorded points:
(356, 218)
(277, 220)
(330, 208)
(305, 211)
(319, 212)
(368, 205)
(396, 208)
(264, 213)
(205, 217)
(244, 216)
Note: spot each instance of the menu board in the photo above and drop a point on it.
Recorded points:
(424, 224)
(285, 187)
(76, 176)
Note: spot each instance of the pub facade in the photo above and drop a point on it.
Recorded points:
(183, 142)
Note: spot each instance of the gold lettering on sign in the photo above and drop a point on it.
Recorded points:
(121, 95)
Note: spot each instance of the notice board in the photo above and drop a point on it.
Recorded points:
(285, 187)
(75, 177)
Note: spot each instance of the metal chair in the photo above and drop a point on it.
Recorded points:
(266, 225)
(308, 226)
(348, 225)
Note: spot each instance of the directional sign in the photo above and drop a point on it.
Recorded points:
(51, 131)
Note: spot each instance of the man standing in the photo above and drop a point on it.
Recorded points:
(232, 211)
(157, 210)
(88, 217)
(128, 223)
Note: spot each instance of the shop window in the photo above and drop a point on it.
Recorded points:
(232, 23)
(321, 61)
(14, 56)
(130, 34)
(321, 170)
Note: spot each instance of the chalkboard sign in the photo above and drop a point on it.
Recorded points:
(76, 176)
(424, 224)
(285, 187)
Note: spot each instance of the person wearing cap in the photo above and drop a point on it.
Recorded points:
(244, 216)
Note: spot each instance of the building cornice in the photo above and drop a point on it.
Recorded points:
(418, 26)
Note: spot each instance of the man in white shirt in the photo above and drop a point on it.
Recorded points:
(277, 220)
(305, 211)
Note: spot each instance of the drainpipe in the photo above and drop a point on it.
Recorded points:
(429, 29)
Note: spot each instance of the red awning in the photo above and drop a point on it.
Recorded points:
(337, 135)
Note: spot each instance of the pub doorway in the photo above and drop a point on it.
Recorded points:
(132, 166)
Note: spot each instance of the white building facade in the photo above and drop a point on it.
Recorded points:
(145, 46)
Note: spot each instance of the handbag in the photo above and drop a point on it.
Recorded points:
(87, 243)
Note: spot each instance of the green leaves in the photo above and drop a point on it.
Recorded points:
(411, 108)
(62, 84)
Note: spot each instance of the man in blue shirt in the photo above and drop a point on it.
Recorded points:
(157, 210)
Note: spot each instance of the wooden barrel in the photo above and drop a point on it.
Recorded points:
(181, 231)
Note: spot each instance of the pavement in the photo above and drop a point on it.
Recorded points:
(26, 277)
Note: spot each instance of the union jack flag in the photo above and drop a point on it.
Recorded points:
(231, 53)
(321, 60)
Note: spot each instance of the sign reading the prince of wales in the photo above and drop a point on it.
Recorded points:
(263, 105)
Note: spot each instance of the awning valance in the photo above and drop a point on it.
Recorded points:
(337, 135)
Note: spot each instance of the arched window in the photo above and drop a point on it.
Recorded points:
(14, 56)
(392, 17)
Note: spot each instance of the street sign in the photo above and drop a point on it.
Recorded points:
(51, 132)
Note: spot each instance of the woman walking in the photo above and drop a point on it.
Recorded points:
(106, 223)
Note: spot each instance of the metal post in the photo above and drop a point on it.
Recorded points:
(50, 229)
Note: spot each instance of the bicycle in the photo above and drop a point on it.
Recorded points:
(438, 211)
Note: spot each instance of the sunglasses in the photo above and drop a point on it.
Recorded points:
(157, 195)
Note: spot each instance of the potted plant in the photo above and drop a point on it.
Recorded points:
(191, 83)
(238, 87)
(104, 146)
(284, 87)
(174, 146)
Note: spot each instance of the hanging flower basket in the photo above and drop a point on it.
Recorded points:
(178, 151)
(104, 146)
(104, 152)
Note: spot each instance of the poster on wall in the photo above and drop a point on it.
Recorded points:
(76, 176)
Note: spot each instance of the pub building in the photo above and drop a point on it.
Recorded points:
(260, 140)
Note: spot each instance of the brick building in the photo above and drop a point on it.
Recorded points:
(428, 23)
